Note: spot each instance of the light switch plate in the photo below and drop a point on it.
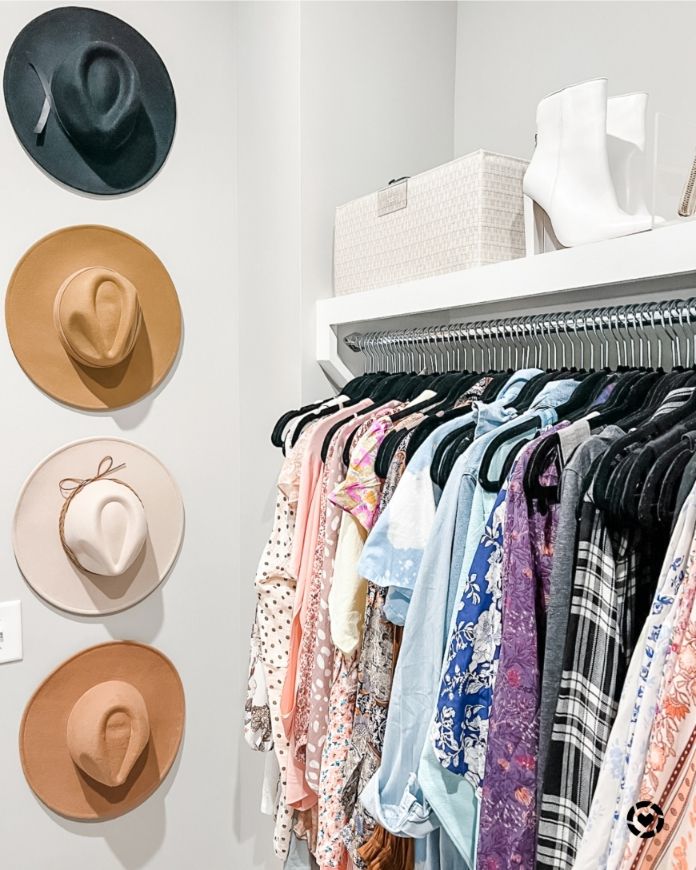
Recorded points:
(10, 631)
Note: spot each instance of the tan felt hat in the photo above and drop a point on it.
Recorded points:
(93, 317)
(97, 526)
(100, 733)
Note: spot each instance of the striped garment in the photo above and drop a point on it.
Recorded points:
(598, 647)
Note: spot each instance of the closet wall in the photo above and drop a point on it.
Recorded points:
(510, 54)
(285, 109)
(187, 214)
(335, 99)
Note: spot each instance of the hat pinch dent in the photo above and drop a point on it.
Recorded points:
(72, 486)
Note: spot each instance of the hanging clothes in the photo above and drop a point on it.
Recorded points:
(474, 627)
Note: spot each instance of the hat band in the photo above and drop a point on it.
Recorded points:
(71, 486)
(47, 103)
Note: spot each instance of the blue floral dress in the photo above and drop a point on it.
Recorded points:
(460, 728)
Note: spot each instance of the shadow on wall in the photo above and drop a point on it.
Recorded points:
(132, 415)
(136, 837)
(247, 827)
(141, 622)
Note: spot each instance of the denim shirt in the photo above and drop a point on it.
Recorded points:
(394, 550)
(394, 795)
(449, 795)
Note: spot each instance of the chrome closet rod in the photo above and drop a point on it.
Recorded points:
(629, 325)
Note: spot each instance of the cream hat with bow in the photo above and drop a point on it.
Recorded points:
(98, 525)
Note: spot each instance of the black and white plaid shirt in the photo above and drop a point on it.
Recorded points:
(616, 570)
(598, 646)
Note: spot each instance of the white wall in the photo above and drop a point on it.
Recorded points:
(188, 216)
(270, 309)
(510, 54)
(377, 97)
(334, 100)
(285, 110)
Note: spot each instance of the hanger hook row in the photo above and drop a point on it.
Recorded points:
(633, 328)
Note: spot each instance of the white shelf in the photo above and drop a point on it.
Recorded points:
(647, 257)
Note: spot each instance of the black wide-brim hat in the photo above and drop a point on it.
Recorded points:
(90, 100)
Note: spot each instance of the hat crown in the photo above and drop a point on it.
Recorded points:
(105, 527)
(98, 317)
(108, 729)
(96, 94)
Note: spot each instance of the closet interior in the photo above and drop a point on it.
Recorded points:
(477, 589)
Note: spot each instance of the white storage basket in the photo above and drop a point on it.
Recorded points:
(463, 214)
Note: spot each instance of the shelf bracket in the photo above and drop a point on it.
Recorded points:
(328, 356)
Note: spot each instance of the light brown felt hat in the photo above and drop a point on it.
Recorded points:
(101, 732)
(93, 317)
(98, 525)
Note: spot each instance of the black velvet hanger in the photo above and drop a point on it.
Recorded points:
(354, 389)
(436, 409)
(582, 399)
(463, 382)
(360, 387)
(549, 449)
(386, 451)
(647, 431)
(667, 500)
(399, 387)
(380, 386)
(628, 398)
(546, 451)
(533, 423)
(438, 412)
(623, 385)
(430, 424)
(284, 419)
(627, 483)
(530, 391)
(530, 424)
(512, 456)
(495, 387)
(631, 472)
(318, 415)
(457, 442)
(444, 457)
(405, 393)
(647, 513)
(334, 429)
(652, 402)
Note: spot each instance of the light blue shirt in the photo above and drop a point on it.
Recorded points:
(451, 797)
(393, 796)
(394, 550)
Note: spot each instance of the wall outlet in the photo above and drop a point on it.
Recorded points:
(10, 631)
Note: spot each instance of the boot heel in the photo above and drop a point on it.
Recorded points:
(539, 236)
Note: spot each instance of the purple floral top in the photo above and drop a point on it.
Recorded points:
(507, 829)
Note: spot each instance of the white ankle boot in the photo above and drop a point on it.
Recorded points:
(570, 198)
(626, 149)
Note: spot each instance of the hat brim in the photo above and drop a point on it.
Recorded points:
(45, 42)
(36, 540)
(48, 766)
(33, 336)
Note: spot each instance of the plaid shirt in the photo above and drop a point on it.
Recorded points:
(599, 643)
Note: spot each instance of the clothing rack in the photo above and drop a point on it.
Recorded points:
(636, 334)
